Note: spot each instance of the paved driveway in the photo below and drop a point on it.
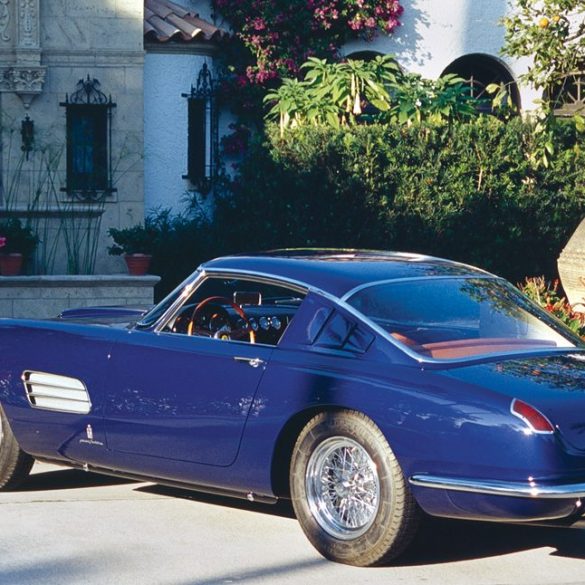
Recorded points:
(72, 528)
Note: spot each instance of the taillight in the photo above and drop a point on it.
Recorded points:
(536, 421)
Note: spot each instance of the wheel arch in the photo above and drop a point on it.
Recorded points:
(282, 453)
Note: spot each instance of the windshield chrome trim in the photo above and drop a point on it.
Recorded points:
(516, 489)
(141, 325)
(177, 303)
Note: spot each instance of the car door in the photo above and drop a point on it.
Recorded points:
(182, 392)
(182, 397)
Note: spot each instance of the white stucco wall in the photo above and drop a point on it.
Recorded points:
(434, 33)
(166, 77)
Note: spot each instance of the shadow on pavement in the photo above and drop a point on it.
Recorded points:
(445, 541)
(439, 540)
(68, 479)
(282, 508)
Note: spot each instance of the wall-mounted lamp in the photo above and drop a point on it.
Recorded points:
(27, 132)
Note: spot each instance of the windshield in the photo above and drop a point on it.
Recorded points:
(159, 310)
(456, 318)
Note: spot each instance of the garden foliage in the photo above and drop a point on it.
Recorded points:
(272, 38)
(548, 296)
(463, 191)
(281, 34)
(552, 34)
(357, 91)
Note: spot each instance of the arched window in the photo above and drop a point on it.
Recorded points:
(479, 71)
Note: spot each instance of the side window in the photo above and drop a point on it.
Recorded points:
(236, 309)
(342, 334)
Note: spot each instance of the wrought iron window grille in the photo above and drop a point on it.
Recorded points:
(202, 145)
(479, 71)
(88, 113)
(567, 97)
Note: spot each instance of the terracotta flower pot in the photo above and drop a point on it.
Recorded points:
(11, 264)
(138, 264)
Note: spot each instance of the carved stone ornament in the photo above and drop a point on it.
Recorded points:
(27, 82)
(28, 24)
(5, 18)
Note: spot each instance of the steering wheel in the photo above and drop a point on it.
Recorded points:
(219, 324)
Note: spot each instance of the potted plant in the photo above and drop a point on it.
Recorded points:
(17, 244)
(136, 244)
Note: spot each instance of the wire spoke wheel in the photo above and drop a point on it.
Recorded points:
(348, 490)
(15, 465)
(343, 488)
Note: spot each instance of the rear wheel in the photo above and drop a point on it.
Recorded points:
(348, 491)
(15, 464)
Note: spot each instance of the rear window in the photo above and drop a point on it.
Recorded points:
(453, 318)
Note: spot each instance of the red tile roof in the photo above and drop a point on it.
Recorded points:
(164, 21)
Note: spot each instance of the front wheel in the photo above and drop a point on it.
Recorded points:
(348, 491)
(15, 464)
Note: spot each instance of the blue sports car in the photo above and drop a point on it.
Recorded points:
(368, 387)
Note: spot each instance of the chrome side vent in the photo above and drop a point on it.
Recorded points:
(54, 392)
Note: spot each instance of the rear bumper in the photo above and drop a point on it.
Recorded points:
(527, 489)
(552, 503)
(579, 524)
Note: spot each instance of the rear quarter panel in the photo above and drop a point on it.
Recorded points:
(66, 349)
(434, 423)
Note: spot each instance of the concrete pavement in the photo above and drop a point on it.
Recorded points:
(71, 528)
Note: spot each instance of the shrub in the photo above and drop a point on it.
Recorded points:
(464, 191)
(183, 241)
(138, 239)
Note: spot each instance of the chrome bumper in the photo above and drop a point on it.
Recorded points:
(528, 489)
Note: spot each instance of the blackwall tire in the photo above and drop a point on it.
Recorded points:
(15, 464)
(349, 493)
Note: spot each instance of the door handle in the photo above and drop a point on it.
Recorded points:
(254, 362)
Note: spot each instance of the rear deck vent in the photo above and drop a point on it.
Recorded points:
(54, 392)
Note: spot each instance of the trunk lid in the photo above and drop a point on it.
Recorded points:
(554, 384)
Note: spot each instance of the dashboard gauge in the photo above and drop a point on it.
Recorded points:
(264, 323)
(276, 323)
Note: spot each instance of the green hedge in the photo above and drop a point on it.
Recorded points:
(466, 192)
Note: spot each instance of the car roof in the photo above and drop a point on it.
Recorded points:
(338, 271)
